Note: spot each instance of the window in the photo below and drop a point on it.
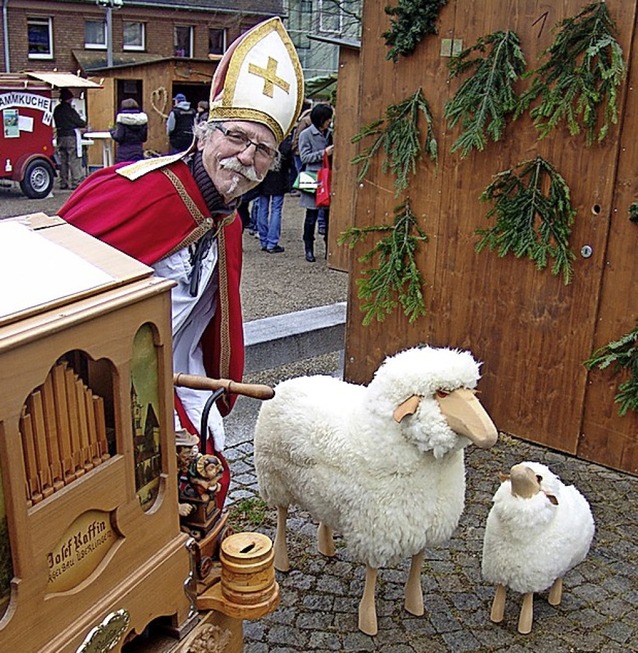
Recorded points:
(183, 41)
(216, 41)
(133, 37)
(300, 24)
(330, 17)
(40, 37)
(95, 34)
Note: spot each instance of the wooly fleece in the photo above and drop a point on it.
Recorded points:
(530, 542)
(334, 449)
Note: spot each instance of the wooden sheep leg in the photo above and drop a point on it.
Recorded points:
(325, 541)
(413, 591)
(367, 608)
(526, 617)
(280, 548)
(556, 592)
(498, 604)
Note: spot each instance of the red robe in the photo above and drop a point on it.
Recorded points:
(153, 212)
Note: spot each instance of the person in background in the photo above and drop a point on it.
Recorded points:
(177, 214)
(201, 112)
(313, 142)
(302, 123)
(130, 132)
(68, 124)
(247, 210)
(271, 200)
(179, 125)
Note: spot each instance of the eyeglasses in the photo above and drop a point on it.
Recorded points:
(241, 140)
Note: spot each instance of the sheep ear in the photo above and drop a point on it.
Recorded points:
(408, 407)
(503, 477)
(552, 499)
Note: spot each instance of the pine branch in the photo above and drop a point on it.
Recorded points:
(622, 354)
(399, 139)
(485, 100)
(413, 19)
(520, 205)
(633, 212)
(397, 278)
(580, 79)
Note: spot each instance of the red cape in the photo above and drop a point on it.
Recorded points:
(155, 215)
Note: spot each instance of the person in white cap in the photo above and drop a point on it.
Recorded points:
(177, 213)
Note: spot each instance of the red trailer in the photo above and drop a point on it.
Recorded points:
(27, 153)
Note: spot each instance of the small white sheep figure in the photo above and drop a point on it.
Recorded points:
(536, 531)
(382, 464)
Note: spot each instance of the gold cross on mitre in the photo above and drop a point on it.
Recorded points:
(270, 77)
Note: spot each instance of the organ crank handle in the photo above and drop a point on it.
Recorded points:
(195, 382)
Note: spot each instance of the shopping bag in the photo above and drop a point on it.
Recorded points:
(322, 198)
(306, 181)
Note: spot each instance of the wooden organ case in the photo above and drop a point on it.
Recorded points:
(90, 543)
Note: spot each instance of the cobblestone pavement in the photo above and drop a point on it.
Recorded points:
(319, 596)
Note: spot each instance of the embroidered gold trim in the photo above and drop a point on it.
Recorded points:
(138, 169)
(230, 113)
(224, 326)
(269, 75)
(204, 223)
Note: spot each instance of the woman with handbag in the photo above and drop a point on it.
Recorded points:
(314, 142)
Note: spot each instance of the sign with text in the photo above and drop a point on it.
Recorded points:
(80, 551)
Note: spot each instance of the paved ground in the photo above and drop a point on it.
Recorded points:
(319, 598)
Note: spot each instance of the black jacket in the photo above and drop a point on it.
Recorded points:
(67, 119)
(182, 135)
(278, 182)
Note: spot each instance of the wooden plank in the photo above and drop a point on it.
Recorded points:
(344, 186)
(605, 436)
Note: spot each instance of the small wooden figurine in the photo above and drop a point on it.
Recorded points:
(205, 472)
(185, 444)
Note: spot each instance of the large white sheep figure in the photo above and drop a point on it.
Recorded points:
(382, 464)
(536, 531)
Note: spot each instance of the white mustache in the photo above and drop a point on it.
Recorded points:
(235, 165)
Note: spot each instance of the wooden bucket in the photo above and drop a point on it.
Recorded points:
(248, 571)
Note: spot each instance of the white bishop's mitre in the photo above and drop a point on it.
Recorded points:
(259, 79)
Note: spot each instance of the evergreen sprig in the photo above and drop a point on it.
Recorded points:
(633, 212)
(520, 205)
(623, 355)
(397, 278)
(399, 139)
(413, 19)
(580, 78)
(484, 101)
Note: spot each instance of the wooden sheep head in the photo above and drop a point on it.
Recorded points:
(526, 483)
(463, 412)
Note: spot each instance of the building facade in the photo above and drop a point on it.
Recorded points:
(90, 35)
